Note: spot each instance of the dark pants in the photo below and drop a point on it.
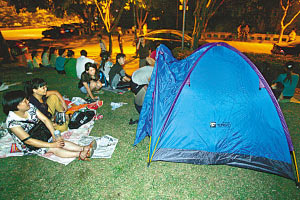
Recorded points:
(138, 108)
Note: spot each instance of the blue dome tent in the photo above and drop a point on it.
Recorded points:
(214, 107)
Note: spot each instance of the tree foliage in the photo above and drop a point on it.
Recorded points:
(204, 10)
(110, 13)
(291, 10)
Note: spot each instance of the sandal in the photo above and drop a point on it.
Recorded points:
(87, 156)
(93, 145)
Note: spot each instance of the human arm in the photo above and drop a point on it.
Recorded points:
(60, 97)
(85, 84)
(21, 134)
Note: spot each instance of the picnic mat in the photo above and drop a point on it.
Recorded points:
(105, 144)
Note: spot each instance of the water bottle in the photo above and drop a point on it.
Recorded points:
(57, 134)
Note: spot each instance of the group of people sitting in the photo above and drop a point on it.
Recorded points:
(24, 109)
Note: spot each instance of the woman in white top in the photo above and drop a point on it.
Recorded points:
(22, 117)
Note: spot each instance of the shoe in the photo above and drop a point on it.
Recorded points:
(87, 156)
(131, 122)
(93, 145)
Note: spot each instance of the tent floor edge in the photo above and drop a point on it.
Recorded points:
(256, 163)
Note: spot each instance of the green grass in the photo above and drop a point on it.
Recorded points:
(126, 175)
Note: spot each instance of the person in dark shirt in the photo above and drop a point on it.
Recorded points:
(117, 73)
(143, 51)
(90, 80)
(46, 101)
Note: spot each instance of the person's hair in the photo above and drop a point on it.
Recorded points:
(35, 83)
(120, 55)
(88, 65)
(104, 56)
(70, 53)
(45, 49)
(52, 50)
(61, 51)
(83, 53)
(11, 100)
(289, 69)
(33, 54)
(100, 36)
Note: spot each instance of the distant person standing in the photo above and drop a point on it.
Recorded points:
(120, 39)
(143, 51)
(292, 35)
(246, 32)
(102, 44)
(239, 32)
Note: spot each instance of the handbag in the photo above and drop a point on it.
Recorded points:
(39, 132)
(81, 117)
(60, 118)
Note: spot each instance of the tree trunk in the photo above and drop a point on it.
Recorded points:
(281, 34)
(110, 43)
(4, 51)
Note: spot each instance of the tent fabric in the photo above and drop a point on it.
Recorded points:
(214, 107)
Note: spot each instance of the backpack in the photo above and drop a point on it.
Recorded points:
(81, 117)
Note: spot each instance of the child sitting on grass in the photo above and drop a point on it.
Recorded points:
(90, 80)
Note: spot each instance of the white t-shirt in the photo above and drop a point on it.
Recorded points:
(81, 61)
(142, 75)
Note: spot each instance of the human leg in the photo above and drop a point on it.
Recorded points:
(63, 153)
(139, 99)
(72, 150)
(83, 90)
(92, 85)
(54, 104)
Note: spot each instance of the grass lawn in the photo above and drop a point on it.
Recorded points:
(126, 175)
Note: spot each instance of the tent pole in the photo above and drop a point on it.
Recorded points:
(149, 153)
(154, 150)
(295, 163)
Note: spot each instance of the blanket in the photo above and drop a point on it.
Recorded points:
(105, 144)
